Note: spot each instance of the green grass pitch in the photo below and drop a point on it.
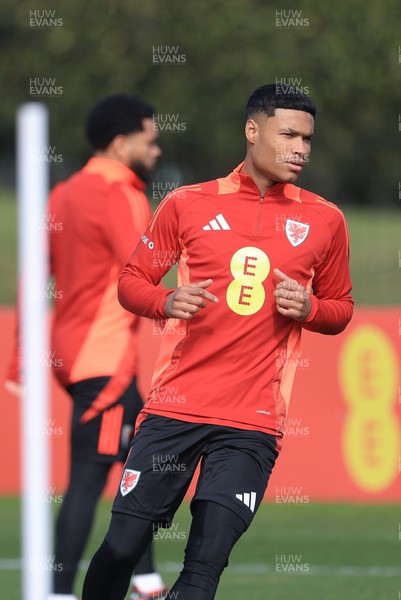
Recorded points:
(291, 552)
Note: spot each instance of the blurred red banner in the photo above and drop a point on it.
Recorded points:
(343, 430)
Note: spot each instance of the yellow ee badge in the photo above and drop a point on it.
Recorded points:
(249, 267)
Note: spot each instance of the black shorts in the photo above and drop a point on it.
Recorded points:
(235, 468)
(106, 438)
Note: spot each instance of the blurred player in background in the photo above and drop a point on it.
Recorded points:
(100, 213)
(246, 290)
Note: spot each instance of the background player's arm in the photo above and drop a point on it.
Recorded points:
(13, 375)
(125, 218)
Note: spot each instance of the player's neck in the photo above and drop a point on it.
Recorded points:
(261, 181)
(111, 155)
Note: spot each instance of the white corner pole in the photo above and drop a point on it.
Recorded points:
(32, 192)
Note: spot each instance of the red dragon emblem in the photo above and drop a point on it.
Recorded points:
(129, 480)
(296, 232)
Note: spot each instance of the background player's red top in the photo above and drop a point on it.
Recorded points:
(95, 218)
(234, 363)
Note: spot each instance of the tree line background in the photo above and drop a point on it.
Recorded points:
(346, 55)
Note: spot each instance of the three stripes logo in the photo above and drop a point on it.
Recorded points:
(249, 499)
(217, 224)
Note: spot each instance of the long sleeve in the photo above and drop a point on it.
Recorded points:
(157, 251)
(332, 303)
(13, 374)
(126, 216)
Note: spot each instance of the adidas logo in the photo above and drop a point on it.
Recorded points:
(217, 224)
(248, 499)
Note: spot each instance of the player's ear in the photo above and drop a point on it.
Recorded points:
(118, 147)
(251, 131)
(118, 143)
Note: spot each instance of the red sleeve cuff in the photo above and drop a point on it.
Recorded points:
(160, 308)
(314, 310)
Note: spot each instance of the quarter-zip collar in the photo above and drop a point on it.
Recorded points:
(237, 181)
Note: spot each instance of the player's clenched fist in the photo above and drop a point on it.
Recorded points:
(187, 300)
(292, 299)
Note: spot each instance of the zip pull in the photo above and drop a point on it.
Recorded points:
(261, 201)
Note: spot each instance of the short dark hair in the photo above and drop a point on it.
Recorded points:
(118, 114)
(268, 97)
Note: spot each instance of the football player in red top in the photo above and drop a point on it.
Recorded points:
(94, 219)
(259, 259)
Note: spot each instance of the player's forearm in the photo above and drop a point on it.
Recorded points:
(141, 296)
(329, 316)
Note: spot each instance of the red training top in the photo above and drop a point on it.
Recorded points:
(234, 362)
(94, 219)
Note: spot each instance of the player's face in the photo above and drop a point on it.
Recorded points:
(142, 150)
(279, 146)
